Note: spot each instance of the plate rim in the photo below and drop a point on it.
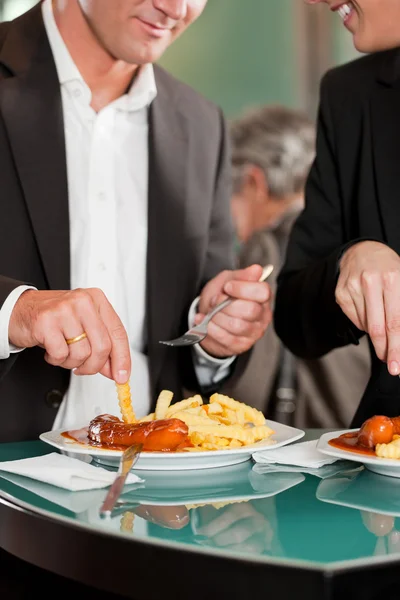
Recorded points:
(322, 446)
(153, 456)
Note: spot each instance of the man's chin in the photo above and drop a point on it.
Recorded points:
(146, 54)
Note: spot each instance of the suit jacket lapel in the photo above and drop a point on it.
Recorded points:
(30, 104)
(168, 158)
(385, 119)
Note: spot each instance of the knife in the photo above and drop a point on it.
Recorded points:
(128, 459)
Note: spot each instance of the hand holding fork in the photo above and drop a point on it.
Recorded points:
(238, 331)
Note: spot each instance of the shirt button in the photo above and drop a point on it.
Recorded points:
(102, 267)
(54, 398)
(77, 93)
(101, 197)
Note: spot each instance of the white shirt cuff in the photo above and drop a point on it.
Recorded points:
(208, 368)
(5, 314)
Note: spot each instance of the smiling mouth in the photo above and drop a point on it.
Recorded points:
(345, 10)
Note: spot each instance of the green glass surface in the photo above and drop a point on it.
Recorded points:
(348, 519)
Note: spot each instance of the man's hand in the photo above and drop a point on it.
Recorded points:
(237, 327)
(48, 318)
(368, 292)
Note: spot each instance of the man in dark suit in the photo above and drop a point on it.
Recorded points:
(341, 278)
(115, 224)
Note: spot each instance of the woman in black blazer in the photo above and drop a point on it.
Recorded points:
(341, 277)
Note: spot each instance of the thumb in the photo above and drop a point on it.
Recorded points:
(251, 273)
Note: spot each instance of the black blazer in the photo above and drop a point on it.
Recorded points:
(190, 229)
(353, 192)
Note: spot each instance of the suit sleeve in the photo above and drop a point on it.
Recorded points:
(307, 318)
(7, 285)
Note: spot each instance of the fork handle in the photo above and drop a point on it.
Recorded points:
(267, 270)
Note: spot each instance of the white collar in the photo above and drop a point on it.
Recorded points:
(142, 91)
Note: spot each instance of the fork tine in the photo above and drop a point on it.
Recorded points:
(185, 340)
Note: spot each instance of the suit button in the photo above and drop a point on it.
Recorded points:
(54, 398)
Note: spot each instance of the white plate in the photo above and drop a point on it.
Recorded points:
(172, 461)
(382, 466)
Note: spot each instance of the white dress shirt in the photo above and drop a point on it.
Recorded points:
(107, 170)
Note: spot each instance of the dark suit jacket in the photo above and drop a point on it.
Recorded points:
(327, 389)
(190, 230)
(353, 193)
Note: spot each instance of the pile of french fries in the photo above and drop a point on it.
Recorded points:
(222, 423)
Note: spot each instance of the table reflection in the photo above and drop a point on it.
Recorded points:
(375, 498)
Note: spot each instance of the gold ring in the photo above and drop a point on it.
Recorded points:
(78, 338)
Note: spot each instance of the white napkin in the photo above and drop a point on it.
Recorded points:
(64, 471)
(302, 454)
(322, 472)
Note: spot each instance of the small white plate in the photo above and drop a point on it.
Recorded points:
(382, 466)
(173, 461)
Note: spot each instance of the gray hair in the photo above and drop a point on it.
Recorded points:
(279, 140)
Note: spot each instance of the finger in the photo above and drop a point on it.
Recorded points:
(222, 342)
(246, 310)
(346, 302)
(120, 352)
(106, 370)
(239, 533)
(238, 325)
(170, 517)
(258, 291)
(100, 343)
(375, 317)
(251, 273)
(225, 519)
(392, 316)
(56, 347)
(77, 351)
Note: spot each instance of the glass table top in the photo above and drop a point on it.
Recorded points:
(348, 519)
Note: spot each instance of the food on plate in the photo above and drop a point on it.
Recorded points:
(222, 423)
(158, 436)
(189, 425)
(378, 436)
(125, 402)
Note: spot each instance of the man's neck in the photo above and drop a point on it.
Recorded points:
(107, 78)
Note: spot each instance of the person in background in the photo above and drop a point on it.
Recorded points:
(116, 230)
(341, 278)
(272, 150)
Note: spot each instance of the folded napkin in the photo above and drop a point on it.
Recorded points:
(322, 472)
(64, 471)
(302, 454)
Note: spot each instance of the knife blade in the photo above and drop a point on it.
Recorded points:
(128, 459)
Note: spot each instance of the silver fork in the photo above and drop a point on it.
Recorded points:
(198, 333)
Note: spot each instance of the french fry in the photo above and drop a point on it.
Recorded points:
(221, 424)
(125, 402)
(127, 522)
(184, 404)
(250, 414)
(147, 418)
(163, 402)
(191, 419)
